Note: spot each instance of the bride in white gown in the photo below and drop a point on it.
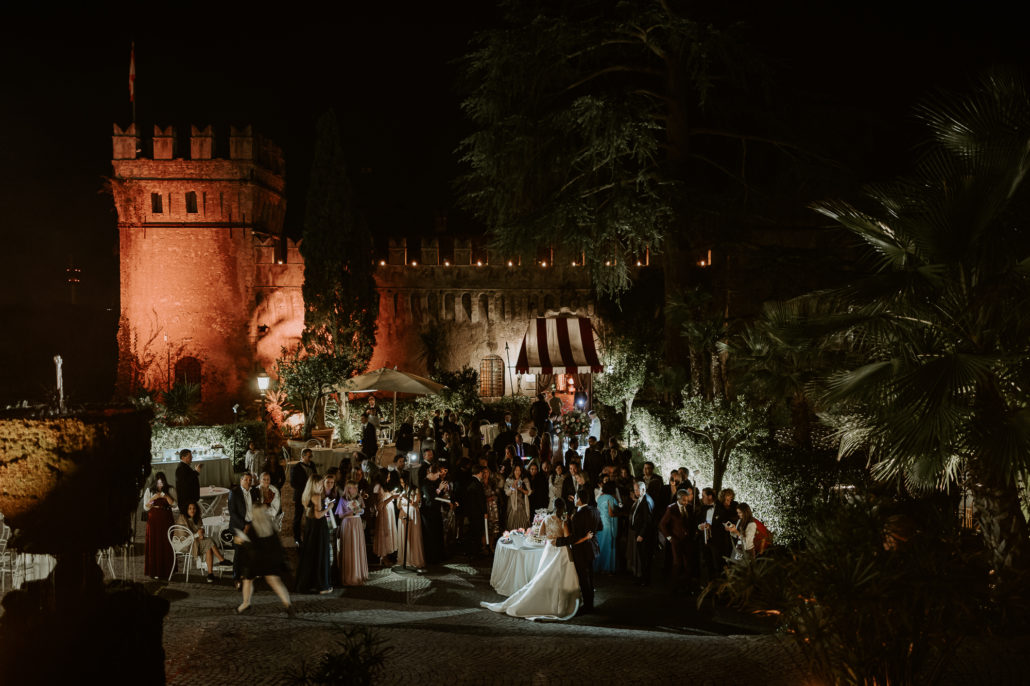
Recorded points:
(553, 592)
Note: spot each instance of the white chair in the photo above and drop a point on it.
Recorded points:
(228, 551)
(181, 540)
(106, 555)
(6, 562)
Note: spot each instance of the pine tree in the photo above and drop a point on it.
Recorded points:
(340, 297)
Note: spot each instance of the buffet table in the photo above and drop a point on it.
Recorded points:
(514, 567)
(216, 470)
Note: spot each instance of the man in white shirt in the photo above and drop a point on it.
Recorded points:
(595, 425)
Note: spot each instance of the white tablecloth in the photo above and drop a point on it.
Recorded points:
(513, 568)
(217, 471)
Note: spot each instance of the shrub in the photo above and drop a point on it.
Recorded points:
(881, 593)
(358, 661)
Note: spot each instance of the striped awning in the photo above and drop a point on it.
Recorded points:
(563, 345)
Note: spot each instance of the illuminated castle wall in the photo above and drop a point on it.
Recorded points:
(211, 289)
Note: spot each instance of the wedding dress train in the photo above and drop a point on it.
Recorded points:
(553, 592)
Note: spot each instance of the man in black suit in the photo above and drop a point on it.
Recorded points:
(473, 504)
(539, 412)
(679, 527)
(369, 438)
(593, 460)
(721, 543)
(187, 480)
(299, 475)
(584, 524)
(642, 528)
(241, 508)
(522, 451)
(506, 434)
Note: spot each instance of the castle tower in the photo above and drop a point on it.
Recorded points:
(200, 240)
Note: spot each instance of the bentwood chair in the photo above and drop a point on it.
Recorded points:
(6, 562)
(181, 540)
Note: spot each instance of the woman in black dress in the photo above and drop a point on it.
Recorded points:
(316, 551)
(262, 555)
(158, 558)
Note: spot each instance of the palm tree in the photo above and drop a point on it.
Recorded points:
(943, 322)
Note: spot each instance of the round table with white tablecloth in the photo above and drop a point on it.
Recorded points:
(514, 567)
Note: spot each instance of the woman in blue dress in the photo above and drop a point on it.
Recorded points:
(608, 506)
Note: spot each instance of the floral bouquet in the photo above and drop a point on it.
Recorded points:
(573, 423)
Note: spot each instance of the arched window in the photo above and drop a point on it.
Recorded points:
(491, 376)
(187, 370)
(484, 307)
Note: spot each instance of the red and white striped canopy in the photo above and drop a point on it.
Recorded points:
(563, 346)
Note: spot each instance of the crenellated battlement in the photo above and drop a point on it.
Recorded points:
(202, 144)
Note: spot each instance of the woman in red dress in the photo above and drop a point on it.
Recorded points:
(158, 558)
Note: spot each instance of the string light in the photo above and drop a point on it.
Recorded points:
(446, 263)
(543, 264)
(414, 264)
(382, 263)
(510, 263)
(479, 263)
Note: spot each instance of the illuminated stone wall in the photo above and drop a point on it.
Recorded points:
(207, 274)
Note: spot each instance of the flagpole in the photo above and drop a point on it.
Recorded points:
(132, 81)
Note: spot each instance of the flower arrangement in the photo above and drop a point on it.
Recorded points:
(573, 423)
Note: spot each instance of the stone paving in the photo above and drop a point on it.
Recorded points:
(438, 634)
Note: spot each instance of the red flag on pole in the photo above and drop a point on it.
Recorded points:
(132, 73)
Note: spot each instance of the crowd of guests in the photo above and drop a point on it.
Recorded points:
(458, 501)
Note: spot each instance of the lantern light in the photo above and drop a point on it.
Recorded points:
(263, 382)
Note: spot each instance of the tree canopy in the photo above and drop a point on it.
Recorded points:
(340, 297)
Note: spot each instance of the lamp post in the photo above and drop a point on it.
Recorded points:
(507, 354)
(263, 382)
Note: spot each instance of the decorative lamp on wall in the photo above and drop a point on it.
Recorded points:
(263, 382)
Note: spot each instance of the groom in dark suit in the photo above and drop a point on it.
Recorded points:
(584, 524)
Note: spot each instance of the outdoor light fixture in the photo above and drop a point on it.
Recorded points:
(263, 382)
(446, 263)
(574, 263)
(414, 264)
(543, 264)
(382, 263)
(608, 264)
(510, 263)
(639, 263)
(479, 263)
(279, 262)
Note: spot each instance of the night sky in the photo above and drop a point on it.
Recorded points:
(391, 77)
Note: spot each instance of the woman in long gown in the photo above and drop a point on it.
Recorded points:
(353, 559)
(409, 527)
(517, 488)
(315, 557)
(158, 558)
(607, 505)
(492, 488)
(553, 592)
(384, 543)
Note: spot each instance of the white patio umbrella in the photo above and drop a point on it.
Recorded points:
(385, 379)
